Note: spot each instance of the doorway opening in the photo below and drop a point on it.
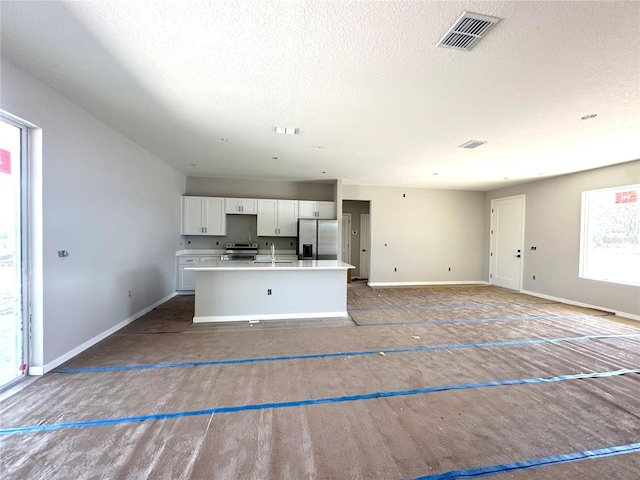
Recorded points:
(358, 212)
(13, 256)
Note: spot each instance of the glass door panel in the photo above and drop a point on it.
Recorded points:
(12, 338)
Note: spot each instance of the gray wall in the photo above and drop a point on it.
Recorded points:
(113, 206)
(233, 187)
(552, 224)
(241, 228)
(422, 233)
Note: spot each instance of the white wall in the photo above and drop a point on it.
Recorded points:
(552, 224)
(113, 206)
(422, 233)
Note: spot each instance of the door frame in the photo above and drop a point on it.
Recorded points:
(24, 254)
(346, 235)
(492, 237)
(364, 263)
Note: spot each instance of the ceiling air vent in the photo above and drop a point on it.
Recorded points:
(467, 30)
(472, 144)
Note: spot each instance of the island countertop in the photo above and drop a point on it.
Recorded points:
(292, 265)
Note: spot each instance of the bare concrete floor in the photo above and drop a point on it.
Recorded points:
(417, 383)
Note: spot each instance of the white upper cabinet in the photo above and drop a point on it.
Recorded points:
(313, 209)
(241, 206)
(277, 218)
(203, 216)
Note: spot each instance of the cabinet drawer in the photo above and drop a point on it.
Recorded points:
(188, 260)
(208, 259)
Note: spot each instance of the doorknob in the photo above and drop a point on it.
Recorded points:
(363, 250)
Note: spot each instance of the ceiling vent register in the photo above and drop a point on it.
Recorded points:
(467, 30)
(472, 144)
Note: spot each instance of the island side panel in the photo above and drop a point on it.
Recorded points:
(223, 295)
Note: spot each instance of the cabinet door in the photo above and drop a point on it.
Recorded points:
(215, 221)
(232, 205)
(306, 209)
(287, 218)
(192, 215)
(267, 218)
(326, 210)
(249, 206)
(186, 279)
(241, 206)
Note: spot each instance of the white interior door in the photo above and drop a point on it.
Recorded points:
(365, 241)
(507, 237)
(346, 237)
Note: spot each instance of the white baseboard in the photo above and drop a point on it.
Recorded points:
(580, 304)
(41, 370)
(275, 316)
(415, 284)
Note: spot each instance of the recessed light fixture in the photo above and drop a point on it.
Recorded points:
(324, 172)
(435, 174)
(274, 158)
(588, 117)
(224, 139)
(286, 130)
(472, 144)
(193, 164)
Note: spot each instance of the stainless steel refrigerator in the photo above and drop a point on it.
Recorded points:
(317, 239)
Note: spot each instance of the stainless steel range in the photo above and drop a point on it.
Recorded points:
(240, 251)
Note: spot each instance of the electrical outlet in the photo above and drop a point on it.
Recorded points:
(268, 291)
(130, 294)
(449, 268)
(395, 269)
(534, 277)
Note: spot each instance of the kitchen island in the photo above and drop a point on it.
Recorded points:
(229, 291)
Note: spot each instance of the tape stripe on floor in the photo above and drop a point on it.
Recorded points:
(535, 463)
(482, 320)
(302, 403)
(444, 306)
(339, 354)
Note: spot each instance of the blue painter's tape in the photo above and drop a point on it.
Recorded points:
(482, 320)
(317, 401)
(535, 463)
(445, 306)
(338, 354)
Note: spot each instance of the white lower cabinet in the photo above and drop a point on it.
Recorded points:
(277, 218)
(186, 279)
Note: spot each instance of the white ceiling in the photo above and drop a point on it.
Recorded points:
(363, 80)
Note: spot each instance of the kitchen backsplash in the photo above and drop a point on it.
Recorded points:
(240, 228)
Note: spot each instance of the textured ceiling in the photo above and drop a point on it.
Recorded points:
(375, 102)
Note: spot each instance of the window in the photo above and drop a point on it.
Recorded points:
(610, 240)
